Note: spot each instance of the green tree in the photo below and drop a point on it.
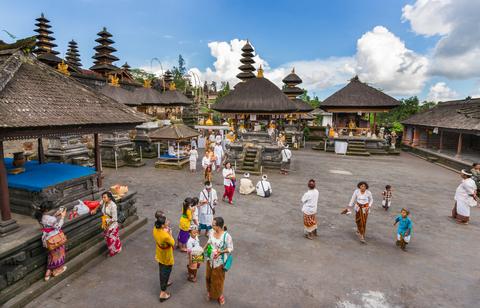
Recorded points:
(407, 108)
(140, 75)
(179, 73)
(224, 90)
(314, 102)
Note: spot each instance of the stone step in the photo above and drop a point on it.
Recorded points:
(358, 153)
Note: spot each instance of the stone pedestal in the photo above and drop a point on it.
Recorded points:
(119, 145)
(68, 149)
(143, 143)
(7, 227)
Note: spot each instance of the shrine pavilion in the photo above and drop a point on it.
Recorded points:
(448, 133)
(37, 102)
(355, 106)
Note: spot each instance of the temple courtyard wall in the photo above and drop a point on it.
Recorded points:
(274, 266)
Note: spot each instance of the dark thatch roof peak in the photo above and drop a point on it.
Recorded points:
(256, 95)
(357, 94)
(178, 131)
(292, 79)
(458, 115)
(34, 95)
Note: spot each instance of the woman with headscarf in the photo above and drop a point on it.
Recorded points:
(110, 224)
(465, 197)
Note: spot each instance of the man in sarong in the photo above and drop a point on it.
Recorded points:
(309, 209)
(218, 151)
(207, 166)
(465, 197)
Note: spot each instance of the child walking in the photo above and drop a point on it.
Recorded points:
(184, 225)
(195, 254)
(387, 197)
(404, 231)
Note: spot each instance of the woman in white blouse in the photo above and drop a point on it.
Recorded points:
(228, 182)
(362, 201)
(110, 224)
(218, 248)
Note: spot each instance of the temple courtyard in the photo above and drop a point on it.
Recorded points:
(275, 266)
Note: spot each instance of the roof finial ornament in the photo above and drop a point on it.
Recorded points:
(260, 72)
(355, 78)
(293, 70)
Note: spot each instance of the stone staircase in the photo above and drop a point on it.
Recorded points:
(251, 160)
(357, 148)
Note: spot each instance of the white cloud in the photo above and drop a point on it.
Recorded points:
(457, 52)
(382, 59)
(167, 36)
(440, 92)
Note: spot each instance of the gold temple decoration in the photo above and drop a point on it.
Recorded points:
(63, 68)
(147, 83)
(114, 80)
(260, 72)
(172, 86)
(209, 122)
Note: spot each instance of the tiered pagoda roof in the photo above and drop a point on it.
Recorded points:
(357, 96)
(44, 45)
(103, 55)
(246, 68)
(72, 56)
(126, 67)
(291, 90)
(38, 101)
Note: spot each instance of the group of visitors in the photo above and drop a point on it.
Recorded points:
(54, 239)
(197, 214)
(362, 202)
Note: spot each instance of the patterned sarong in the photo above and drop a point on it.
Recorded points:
(361, 219)
(113, 241)
(310, 222)
(56, 258)
(215, 278)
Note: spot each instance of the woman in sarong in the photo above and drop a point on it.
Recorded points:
(465, 197)
(110, 224)
(51, 230)
(362, 201)
(218, 248)
(162, 234)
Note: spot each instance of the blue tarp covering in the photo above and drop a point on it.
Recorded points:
(39, 176)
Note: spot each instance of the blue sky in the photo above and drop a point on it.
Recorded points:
(284, 33)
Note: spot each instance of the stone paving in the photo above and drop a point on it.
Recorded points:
(274, 266)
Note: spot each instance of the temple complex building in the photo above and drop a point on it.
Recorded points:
(39, 102)
(354, 129)
(448, 133)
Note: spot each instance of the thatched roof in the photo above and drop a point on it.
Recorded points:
(455, 115)
(357, 94)
(120, 94)
(302, 106)
(177, 131)
(256, 95)
(38, 98)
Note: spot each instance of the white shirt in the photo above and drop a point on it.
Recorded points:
(286, 155)
(211, 138)
(171, 151)
(261, 190)
(218, 150)
(193, 155)
(220, 244)
(225, 173)
(54, 222)
(463, 196)
(310, 202)
(205, 215)
(206, 162)
(193, 143)
(246, 186)
(218, 139)
(359, 198)
(193, 244)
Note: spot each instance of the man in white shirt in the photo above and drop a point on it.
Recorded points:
(206, 206)
(309, 209)
(218, 151)
(264, 189)
(193, 157)
(286, 156)
(246, 185)
(207, 166)
(465, 197)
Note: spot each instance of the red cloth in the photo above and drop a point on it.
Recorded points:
(229, 191)
(92, 204)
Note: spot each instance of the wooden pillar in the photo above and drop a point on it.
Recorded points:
(41, 154)
(98, 160)
(7, 224)
(440, 145)
(459, 145)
